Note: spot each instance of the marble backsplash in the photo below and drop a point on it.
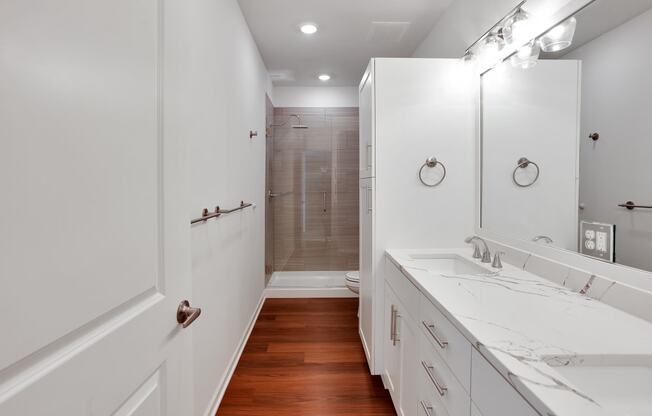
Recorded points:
(635, 301)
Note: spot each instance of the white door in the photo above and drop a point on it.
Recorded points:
(93, 228)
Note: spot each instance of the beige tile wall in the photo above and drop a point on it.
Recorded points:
(315, 173)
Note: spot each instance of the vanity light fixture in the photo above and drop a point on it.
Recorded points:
(559, 37)
(527, 56)
(515, 29)
(324, 77)
(309, 28)
(489, 52)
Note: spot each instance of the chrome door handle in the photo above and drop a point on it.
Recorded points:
(187, 315)
(441, 389)
(431, 330)
(427, 407)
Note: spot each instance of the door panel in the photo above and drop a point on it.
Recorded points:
(93, 254)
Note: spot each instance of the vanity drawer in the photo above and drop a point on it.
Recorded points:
(449, 343)
(441, 381)
(492, 394)
(429, 403)
(406, 292)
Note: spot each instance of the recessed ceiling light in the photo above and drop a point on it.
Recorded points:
(309, 28)
(324, 77)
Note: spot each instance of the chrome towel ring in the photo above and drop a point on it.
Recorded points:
(432, 162)
(522, 164)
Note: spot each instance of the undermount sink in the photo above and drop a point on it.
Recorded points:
(620, 385)
(449, 264)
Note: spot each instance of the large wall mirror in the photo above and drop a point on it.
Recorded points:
(566, 137)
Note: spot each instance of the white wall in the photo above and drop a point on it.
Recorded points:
(616, 91)
(226, 84)
(315, 97)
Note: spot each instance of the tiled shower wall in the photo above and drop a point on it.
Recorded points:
(315, 177)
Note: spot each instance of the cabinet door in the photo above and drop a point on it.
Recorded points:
(408, 342)
(366, 268)
(392, 346)
(367, 128)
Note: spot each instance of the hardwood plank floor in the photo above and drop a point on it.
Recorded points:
(304, 357)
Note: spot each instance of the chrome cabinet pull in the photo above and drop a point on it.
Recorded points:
(370, 199)
(427, 407)
(187, 315)
(441, 389)
(431, 330)
(392, 325)
(369, 155)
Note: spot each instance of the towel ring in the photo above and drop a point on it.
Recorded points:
(431, 162)
(522, 164)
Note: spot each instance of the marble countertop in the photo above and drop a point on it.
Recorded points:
(526, 326)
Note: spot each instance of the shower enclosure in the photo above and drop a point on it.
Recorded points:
(313, 196)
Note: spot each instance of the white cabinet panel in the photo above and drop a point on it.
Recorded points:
(367, 285)
(407, 293)
(492, 394)
(449, 343)
(391, 346)
(367, 123)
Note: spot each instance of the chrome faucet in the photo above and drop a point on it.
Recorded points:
(486, 254)
(545, 238)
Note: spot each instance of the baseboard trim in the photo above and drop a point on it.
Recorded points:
(236, 358)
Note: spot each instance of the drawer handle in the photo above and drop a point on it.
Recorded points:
(427, 407)
(431, 330)
(394, 326)
(441, 389)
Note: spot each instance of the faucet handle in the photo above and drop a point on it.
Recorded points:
(486, 256)
(476, 251)
(497, 264)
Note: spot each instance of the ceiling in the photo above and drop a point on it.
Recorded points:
(350, 32)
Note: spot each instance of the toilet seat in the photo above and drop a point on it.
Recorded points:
(352, 281)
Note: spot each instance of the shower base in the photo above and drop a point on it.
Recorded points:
(312, 284)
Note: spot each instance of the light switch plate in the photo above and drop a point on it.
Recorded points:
(598, 240)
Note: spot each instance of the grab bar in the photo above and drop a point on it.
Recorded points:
(631, 205)
(207, 215)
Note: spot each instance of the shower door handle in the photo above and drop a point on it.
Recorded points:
(324, 209)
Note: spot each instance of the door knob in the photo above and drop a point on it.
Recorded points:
(187, 315)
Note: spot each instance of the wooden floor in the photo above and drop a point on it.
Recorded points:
(304, 357)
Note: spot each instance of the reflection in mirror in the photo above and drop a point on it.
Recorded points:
(566, 144)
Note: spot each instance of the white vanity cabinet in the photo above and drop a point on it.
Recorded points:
(429, 366)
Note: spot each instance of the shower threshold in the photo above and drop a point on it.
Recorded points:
(308, 284)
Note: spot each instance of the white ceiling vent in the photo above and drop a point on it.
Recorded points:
(281, 75)
(387, 32)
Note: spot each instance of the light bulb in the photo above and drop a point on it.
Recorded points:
(324, 77)
(515, 30)
(489, 53)
(527, 56)
(559, 37)
(309, 28)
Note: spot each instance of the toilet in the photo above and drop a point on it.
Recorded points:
(352, 281)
